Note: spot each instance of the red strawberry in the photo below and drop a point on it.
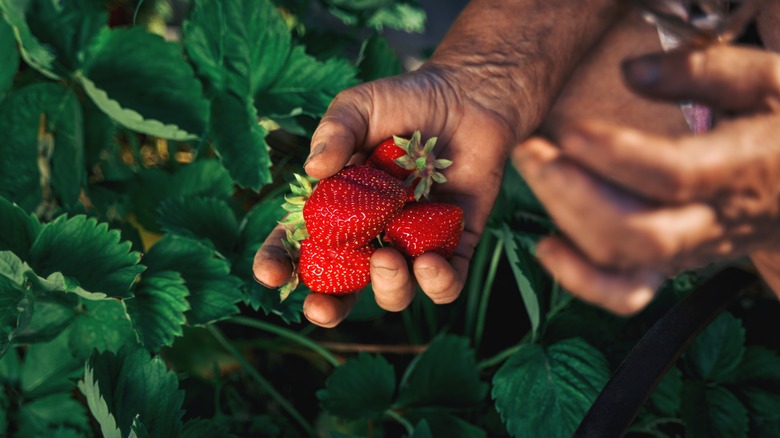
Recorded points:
(410, 161)
(426, 227)
(350, 208)
(334, 271)
(383, 158)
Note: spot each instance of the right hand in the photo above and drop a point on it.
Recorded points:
(475, 138)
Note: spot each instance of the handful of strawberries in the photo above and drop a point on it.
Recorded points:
(333, 227)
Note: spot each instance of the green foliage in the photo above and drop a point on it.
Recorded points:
(716, 353)
(402, 15)
(89, 251)
(362, 388)
(42, 126)
(9, 58)
(139, 176)
(558, 383)
(144, 83)
(445, 375)
(213, 292)
(131, 389)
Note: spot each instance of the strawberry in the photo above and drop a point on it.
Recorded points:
(334, 271)
(350, 208)
(383, 158)
(426, 227)
(410, 161)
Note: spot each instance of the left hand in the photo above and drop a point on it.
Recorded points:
(636, 206)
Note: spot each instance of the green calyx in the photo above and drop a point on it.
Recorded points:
(422, 162)
(295, 227)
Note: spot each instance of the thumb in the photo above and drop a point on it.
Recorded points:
(341, 131)
(728, 78)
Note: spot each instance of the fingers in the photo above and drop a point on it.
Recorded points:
(327, 310)
(340, 132)
(714, 75)
(611, 227)
(670, 169)
(272, 266)
(440, 279)
(622, 292)
(393, 285)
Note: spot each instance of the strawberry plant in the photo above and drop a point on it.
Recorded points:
(147, 153)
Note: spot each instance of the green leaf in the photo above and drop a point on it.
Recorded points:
(667, 395)
(133, 384)
(546, 391)
(238, 46)
(210, 220)
(19, 229)
(399, 16)
(9, 58)
(41, 124)
(38, 417)
(205, 177)
(33, 51)
(201, 428)
(712, 412)
(102, 326)
(53, 312)
(145, 84)
(758, 381)
(269, 300)
(305, 86)
(448, 425)
(521, 269)
(422, 430)
(98, 405)
(378, 14)
(53, 34)
(10, 369)
(213, 291)
(377, 59)
(260, 221)
(16, 303)
(361, 388)
(87, 251)
(49, 368)
(716, 353)
(157, 311)
(445, 375)
(240, 140)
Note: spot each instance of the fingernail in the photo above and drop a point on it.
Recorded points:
(427, 272)
(643, 72)
(314, 152)
(385, 272)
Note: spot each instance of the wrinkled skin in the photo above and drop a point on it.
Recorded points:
(636, 206)
(480, 94)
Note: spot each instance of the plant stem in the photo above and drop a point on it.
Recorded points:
(260, 380)
(411, 330)
(429, 312)
(474, 288)
(403, 421)
(503, 355)
(483, 305)
(288, 334)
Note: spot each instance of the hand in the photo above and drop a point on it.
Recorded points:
(358, 120)
(488, 85)
(634, 206)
